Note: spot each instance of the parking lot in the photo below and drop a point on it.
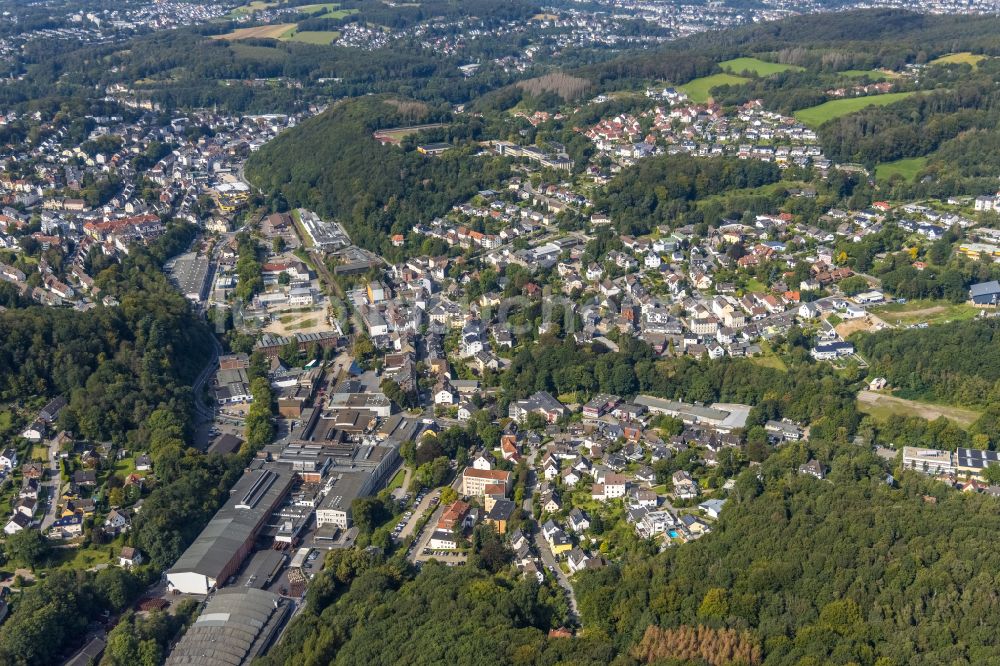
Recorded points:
(422, 502)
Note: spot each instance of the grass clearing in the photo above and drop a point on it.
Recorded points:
(250, 8)
(318, 37)
(757, 66)
(330, 10)
(882, 406)
(814, 116)
(276, 31)
(908, 168)
(924, 311)
(873, 74)
(699, 89)
(769, 361)
(963, 58)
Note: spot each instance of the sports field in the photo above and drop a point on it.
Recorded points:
(698, 89)
(757, 66)
(814, 116)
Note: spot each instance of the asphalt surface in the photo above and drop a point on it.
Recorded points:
(542, 546)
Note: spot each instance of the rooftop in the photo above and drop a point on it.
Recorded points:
(236, 626)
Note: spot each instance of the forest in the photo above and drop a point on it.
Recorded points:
(127, 372)
(846, 570)
(659, 189)
(363, 609)
(799, 571)
(955, 363)
(331, 164)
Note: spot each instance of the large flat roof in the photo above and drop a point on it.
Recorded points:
(345, 488)
(251, 500)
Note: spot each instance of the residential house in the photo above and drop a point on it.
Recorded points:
(578, 520)
(129, 557)
(813, 468)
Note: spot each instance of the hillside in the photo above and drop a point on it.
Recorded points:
(844, 571)
(331, 164)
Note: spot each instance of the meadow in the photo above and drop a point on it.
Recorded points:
(814, 116)
(908, 168)
(698, 89)
(757, 66)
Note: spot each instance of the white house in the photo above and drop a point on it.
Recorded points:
(8, 459)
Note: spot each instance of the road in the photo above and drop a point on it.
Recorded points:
(203, 412)
(425, 536)
(53, 486)
(542, 546)
(418, 513)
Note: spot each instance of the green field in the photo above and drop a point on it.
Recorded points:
(698, 89)
(964, 57)
(882, 406)
(908, 168)
(815, 116)
(329, 9)
(757, 66)
(873, 74)
(250, 8)
(322, 37)
(924, 311)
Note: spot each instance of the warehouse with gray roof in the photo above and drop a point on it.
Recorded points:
(236, 626)
(229, 537)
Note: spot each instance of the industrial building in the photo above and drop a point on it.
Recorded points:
(236, 626)
(219, 551)
(190, 272)
(724, 417)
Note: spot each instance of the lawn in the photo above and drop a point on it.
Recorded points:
(397, 481)
(924, 311)
(908, 168)
(768, 359)
(757, 66)
(882, 406)
(963, 58)
(698, 89)
(125, 467)
(756, 286)
(321, 37)
(6, 422)
(815, 116)
(80, 558)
